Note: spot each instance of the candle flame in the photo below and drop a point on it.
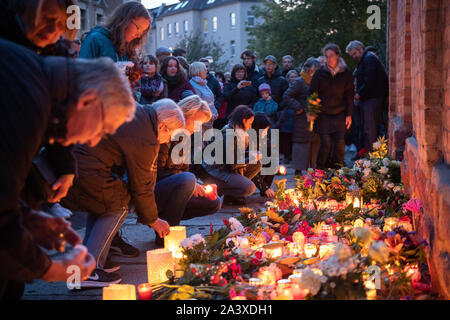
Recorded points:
(282, 170)
(208, 189)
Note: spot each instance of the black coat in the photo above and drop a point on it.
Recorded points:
(32, 90)
(101, 187)
(166, 167)
(278, 85)
(337, 95)
(295, 98)
(214, 86)
(253, 74)
(235, 97)
(371, 78)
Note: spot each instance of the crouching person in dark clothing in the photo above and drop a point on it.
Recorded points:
(100, 188)
(188, 197)
(233, 179)
(66, 102)
(263, 182)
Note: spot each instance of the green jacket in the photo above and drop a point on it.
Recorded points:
(98, 44)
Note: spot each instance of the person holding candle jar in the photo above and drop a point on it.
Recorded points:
(102, 190)
(234, 180)
(204, 201)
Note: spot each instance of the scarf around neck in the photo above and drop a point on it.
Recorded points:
(152, 86)
(173, 81)
(199, 80)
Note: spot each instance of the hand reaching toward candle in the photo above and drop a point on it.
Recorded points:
(161, 227)
(63, 185)
(270, 193)
(52, 233)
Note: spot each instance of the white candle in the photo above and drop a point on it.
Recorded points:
(158, 262)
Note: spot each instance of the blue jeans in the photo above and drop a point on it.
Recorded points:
(201, 206)
(172, 195)
(100, 231)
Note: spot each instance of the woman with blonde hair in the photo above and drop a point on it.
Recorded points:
(174, 178)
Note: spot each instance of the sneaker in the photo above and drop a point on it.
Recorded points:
(121, 248)
(99, 278)
(111, 266)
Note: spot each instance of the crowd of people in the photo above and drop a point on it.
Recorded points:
(87, 126)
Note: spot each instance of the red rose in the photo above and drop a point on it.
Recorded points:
(297, 211)
(258, 254)
(254, 262)
(362, 152)
(284, 229)
(225, 221)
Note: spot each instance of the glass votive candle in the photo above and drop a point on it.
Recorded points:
(327, 229)
(299, 238)
(267, 277)
(274, 253)
(256, 282)
(310, 250)
(239, 298)
(297, 272)
(284, 283)
(145, 291)
(173, 239)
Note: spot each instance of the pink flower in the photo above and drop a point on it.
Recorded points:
(297, 211)
(308, 183)
(266, 236)
(413, 205)
(320, 173)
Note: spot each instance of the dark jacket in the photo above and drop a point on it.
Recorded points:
(235, 97)
(166, 167)
(253, 74)
(101, 187)
(61, 158)
(31, 99)
(295, 99)
(214, 85)
(337, 95)
(224, 170)
(371, 78)
(176, 90)
(278, 85)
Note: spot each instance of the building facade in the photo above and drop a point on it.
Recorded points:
(419, 112)
(95, 12)
(224, 21)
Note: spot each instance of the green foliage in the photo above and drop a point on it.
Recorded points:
(302, 28)
(198, 46)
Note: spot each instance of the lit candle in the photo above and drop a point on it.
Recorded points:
(293, 248)
(179, 271)
(297, 292)
(211, 191)
(356, 203)
(310, 250)
(173, 239)
(119, 292)
(282, 170)
(274, 253)
(299, 238)
(145, 291)
(326, 250)
(256, 282)
(284, 283)
(158, 262)
(327, 229)
(267, 276)
(239, 298)
(297, 272)
(359, 223)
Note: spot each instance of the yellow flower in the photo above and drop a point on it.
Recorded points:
(274, 216)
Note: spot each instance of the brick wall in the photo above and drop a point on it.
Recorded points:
(420, 118)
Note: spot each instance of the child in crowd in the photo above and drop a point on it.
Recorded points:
(266, 104)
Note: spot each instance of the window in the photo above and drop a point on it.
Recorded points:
(161, 31)
(205, 25)
(99, 18)
(83, 19)
(186, 26)
(177, 29)
(233, 20)
(250, 18)
(233, 48)
(214, 24)
(169, 30)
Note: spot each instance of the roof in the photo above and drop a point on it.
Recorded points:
(189, 5)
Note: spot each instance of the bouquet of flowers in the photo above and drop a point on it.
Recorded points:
(313, 108)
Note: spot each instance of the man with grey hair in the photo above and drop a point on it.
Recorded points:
(372, 88)
(48, 101)
(288, 64)
(121, 170)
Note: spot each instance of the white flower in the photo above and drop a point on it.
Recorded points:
(383, 170)
(386, 162)
(196, 239)
(342, 252)
(397, 163)
(310, 281)
(390, 185)
(376, 145)
(379, 251)
(238, 242)
(236, 227)
(397, 189)
(186, 243)
(366, 164)
(367, 171)
(340, 172)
